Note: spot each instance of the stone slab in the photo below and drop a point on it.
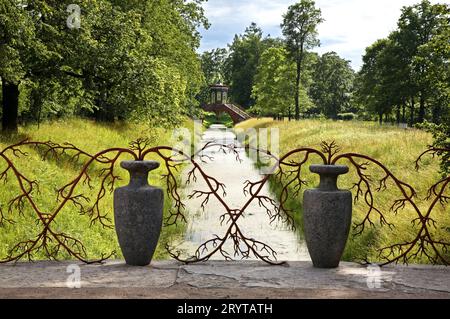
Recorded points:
(220, 279)
(112, 274)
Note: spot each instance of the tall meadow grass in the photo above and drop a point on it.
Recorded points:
(52, 174)
(396, 148)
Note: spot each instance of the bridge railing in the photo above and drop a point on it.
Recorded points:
(289, 171)
(238, 110)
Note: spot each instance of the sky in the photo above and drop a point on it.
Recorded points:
(349, 27)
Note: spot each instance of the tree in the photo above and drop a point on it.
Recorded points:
(213, 63)
(213, 67)
(300, 29)
(434, 57)
(374, 87)
(417, 26)
(173, 29)
(128, 59)
(411, 65)
(332, 84)
(18, 48)
(274, 83)
(241, 64)
(140, 60)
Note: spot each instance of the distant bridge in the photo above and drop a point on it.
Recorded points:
(236, 113)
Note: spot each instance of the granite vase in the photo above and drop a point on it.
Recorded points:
(327, 214)
(138, 214)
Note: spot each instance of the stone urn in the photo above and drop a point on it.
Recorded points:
(138, 213)
(327, 214)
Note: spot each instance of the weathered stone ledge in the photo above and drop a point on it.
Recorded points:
(219, 279)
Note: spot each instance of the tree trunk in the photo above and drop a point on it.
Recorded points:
(411, 113)
(334, 113)
(10, 106)
(403, 112)
(297, 95)
(398, 114)
(380, 118)
(437, 113)
(102, 113)
(299, 61)
(421, 108)
(36, 105)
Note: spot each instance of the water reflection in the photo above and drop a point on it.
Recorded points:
(205, 224)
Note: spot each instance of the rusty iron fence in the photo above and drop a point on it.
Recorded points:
(288, 171)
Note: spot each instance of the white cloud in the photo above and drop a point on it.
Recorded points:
(230, 17)
(350, 25)
(263, 12)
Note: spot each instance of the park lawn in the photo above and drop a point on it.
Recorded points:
(53, 174)
(396, 148)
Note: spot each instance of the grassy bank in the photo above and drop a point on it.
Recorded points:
(51, 175)
(210, 118)
(396, 148)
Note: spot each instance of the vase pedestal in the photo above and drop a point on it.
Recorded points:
(138, 214)
(327, 214)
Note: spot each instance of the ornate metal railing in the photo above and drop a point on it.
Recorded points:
(238, 110)
(288, 170)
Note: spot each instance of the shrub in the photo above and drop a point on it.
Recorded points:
(223, 118)
(346, 116)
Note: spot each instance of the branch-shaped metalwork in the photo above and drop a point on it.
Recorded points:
(243, 246)
(49, 241)
(287, 171)
(423, 244)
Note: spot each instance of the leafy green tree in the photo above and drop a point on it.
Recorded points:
(274, 83)
(173, 27)
(300, 29)
(213, 67)
(373, 88)
(213, 63)
(143, 62)
(275, 86)
(128, 58)
(411, 65)
(20, 50)
(418, 25)
(434, 57)
(332, 84)
(241, 64)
